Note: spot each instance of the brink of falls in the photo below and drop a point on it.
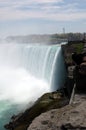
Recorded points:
(27, 72)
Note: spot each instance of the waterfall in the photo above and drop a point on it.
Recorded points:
(28, 65)
(27, 72)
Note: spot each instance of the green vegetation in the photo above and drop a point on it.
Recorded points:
(78, 47)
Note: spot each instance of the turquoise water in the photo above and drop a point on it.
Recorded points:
(7, 109)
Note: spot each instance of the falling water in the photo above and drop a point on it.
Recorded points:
(27, 72)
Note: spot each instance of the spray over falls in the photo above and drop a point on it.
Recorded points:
(27, 72)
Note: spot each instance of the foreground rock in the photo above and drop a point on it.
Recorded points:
(70, 117)
(46, 102)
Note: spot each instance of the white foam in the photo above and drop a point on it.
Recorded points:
(17, 85)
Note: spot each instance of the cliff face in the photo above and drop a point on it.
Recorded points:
(74, 56)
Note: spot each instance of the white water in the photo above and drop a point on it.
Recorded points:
(18, 85)
(26, 72)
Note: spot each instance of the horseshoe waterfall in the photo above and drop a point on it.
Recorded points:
(26, 72)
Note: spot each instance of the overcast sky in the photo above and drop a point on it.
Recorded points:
(42, 16)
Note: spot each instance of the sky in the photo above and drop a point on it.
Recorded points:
(23, 17)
